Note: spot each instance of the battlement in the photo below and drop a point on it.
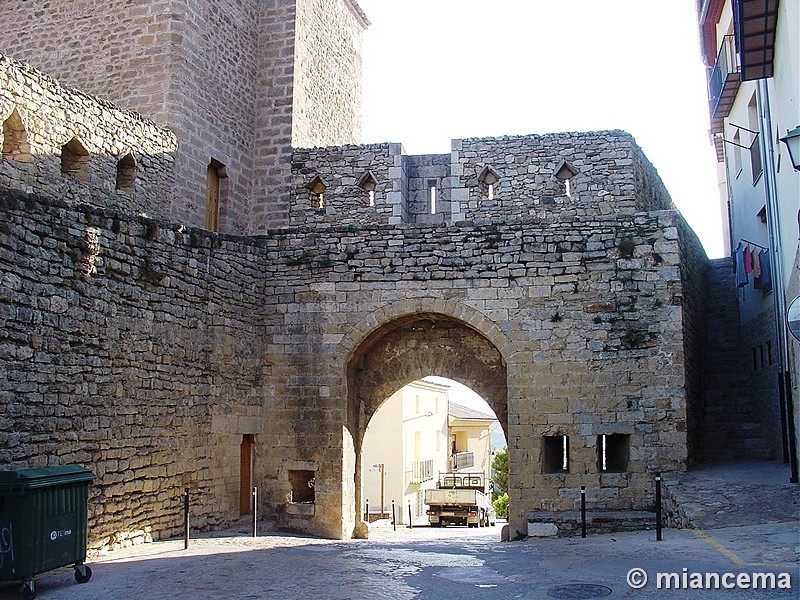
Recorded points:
(61, 143)
(560, 175)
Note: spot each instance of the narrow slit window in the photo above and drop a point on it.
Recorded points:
(317, 189)
(556, 454)
(613, 452)
(432, 195)
(565, 173)
(488, 179)
(368, 183)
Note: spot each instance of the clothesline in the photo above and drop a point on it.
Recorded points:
(754, 244)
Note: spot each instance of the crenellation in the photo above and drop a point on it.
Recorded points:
(551, 274)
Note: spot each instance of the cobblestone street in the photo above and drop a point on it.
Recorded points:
(425, 562)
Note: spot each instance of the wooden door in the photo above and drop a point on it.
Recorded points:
(212, 198)
(246, 475)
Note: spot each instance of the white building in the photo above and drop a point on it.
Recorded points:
(415, 435)
(751, 48)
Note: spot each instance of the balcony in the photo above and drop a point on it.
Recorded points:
(756, 22)
(723, 85)
(463, 460)
(421, 470)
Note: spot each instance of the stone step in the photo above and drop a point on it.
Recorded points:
(568, 523)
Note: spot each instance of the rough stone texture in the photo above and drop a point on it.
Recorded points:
(611, 176)
(51, 115)
(238, 81)
(740, 383)
(149, 348)
(185, 342)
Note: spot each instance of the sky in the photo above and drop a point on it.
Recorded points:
(435, 70)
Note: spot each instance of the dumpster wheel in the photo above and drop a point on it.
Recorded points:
(83, 573)
(28, 590)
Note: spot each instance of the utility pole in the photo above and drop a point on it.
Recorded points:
(381, 468)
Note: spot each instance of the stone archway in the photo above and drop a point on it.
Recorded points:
(413, 346)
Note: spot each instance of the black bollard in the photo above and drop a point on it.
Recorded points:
(658, 507)
(394, 520)
(410, 525)
(583, 511)
(255, 512)
(185, 518)
(366, 519)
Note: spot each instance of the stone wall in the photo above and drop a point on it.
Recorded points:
(122, 160)
(125, 54)
(607, 174)
(132, 346)
(185, 342)
(327, 62)
(741, 418)
(238, 81)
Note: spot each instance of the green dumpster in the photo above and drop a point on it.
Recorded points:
(43, 523)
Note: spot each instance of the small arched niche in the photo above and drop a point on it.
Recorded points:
(317, 189)
(16, 146)
(126, 173)
(564, 174)
(75, 159)
(488, 179)
(368, 183)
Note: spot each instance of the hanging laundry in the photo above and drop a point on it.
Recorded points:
(741, 275)
(748, 259)
(766, 272)
(756, 270)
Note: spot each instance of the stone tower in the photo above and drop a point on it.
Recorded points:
(239, 81)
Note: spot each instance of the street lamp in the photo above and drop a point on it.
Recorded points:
(427, 414)
(792, 141)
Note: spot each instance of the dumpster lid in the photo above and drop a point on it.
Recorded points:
(44, 477)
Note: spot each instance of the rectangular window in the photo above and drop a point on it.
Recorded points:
(215, 173)
(755, 146)
(302, 486)
(613, 452)
(555, 454)
(432, 195)
(737, 154)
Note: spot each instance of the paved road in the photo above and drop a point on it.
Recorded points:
(428, 563)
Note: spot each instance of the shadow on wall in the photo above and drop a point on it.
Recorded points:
(60, 143)
(131, 181)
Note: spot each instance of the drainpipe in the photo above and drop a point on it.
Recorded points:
(776, 254)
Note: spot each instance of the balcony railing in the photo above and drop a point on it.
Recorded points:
(724, 80)
(420, 471)
(463, 460)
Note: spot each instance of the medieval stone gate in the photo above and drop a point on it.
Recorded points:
(551, 274)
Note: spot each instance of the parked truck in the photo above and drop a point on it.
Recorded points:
(460, 499)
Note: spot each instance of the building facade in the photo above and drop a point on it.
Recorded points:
(752, 52)
(239, 82)
(549, 273)
(405, 448)
(471, 441)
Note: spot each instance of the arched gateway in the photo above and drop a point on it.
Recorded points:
(409, 348)
(222, 363)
